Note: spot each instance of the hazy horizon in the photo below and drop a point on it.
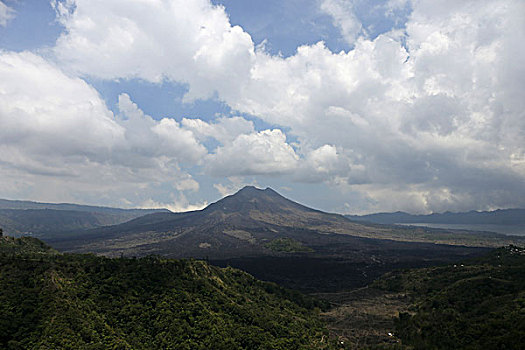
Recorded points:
(164, 208)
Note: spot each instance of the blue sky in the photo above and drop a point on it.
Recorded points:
(349, 106)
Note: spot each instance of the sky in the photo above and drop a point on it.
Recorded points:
(348, 106)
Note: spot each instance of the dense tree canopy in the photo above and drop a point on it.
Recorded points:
(478, 304)
(88, 302)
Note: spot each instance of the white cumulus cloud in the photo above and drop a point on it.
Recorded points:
(262, 153)
(223, 129)
(59, 141)
(179, 40)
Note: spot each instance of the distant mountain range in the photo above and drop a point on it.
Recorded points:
(38, 219)
(496, 217)
(16, 204)
(251, 222)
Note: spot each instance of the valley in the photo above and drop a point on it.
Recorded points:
(345, 267)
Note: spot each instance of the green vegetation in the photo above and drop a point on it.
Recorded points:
(23, 245)
(479, 304)
(70, 301)
(287, 245)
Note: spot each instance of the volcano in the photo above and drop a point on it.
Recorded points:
(243, 224)
(271, 237)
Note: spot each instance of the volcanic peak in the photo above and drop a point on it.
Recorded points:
(250, 198)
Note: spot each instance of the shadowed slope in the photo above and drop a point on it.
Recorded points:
(47, 219)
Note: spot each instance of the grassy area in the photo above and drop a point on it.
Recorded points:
(288, 245)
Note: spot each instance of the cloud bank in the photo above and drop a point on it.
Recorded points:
(428, 117)
(58, 138)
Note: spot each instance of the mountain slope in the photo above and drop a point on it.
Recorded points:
(246, 224)
(87, 302)
(238, 225)
(47, 219)
(17, 204)
(24, 245)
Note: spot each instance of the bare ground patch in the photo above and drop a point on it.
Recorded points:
(364, 318)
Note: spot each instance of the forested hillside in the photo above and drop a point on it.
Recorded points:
(10, 246)
(69, 301)
(478, 304)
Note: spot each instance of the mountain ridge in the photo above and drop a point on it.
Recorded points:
(511, 216)
(35, 218)
(23, 204)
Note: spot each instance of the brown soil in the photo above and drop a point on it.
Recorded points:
(363, 318)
